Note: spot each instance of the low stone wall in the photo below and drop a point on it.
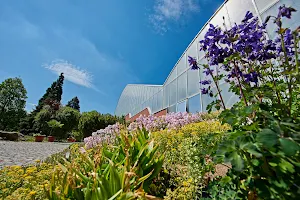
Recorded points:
(12, 136)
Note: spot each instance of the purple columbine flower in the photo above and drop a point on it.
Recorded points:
(204, 91)
(248, 16)
(208, 71)
(285, 11)
(205, 82)
(193, 63)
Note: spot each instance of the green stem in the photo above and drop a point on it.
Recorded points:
(239, 83)
(289, 79)
(218, 89)
(296, 52)
(275, 86)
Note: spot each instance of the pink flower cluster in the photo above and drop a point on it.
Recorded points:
(101, 136)
(150, 123)
(169, 121)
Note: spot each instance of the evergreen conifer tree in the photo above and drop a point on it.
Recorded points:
(74, 103)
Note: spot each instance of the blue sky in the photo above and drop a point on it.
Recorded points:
(100, 45)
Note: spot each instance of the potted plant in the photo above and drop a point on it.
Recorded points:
(39, 137)
(54, 126)
(71, 139)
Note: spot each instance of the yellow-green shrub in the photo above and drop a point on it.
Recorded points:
(187, 153)
(18, 182)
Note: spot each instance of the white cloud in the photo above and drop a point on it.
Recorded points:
(71, 72)
(171, 11)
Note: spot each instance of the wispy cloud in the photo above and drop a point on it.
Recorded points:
(72, 73)
(171, 11)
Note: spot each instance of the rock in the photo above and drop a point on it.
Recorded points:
(12, 136)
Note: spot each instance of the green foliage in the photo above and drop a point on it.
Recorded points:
(89, 122)
(263, 147)
(74, 103)
(41, 119)
(77, 135)
(187, 152)
(51, 98)
(53, 93)
(124, 171)
(69, 117)
(92, 121)
(12, 103)
(55, 128)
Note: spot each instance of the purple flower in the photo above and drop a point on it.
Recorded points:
(205, 82)
(285, 11)
(193, 63)
(204, 91)
(208, 71)
(248, 16)
(251, 77)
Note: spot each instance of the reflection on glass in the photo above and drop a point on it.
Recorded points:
(194, 104)
(172, 109)
(181, 107)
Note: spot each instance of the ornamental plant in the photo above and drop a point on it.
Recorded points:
(151, 123)
(124, 171)
(263, 146)
(187, 152)
(169, 121)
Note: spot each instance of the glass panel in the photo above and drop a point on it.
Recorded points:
(181, 66)
(271, 27)
(206, 99)
(193, 82)
(192, 51)
(153, 103)
(228, 97)
(238, 8)
(194, 104)
(292, 23)
(221, 18)
(262, 5)
(172, 109)
(172, 76)
(159, 101)
(182, 86)
(199, 38)
(166, 96)
(181, 107)
(173, 92)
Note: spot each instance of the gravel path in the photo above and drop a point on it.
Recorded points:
(22, 153)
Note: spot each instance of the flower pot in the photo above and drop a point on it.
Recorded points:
(39, 138)
(51, 138)
(71, 140)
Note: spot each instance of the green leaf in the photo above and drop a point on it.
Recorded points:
(267, 137)
(116, 195)
(226, 179)
(255, 162)
(142, 179)
(286, 166)
(289, 147)
(272, 164)
(237, 161)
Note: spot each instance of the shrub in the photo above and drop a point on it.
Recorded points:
(27, 183)
(69, 117)
(55, 128)
(41, 119)
(89, 122)
(187, 151)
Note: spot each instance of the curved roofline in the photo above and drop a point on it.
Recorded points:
(133, 85)
(145, 85)
(221, 6)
